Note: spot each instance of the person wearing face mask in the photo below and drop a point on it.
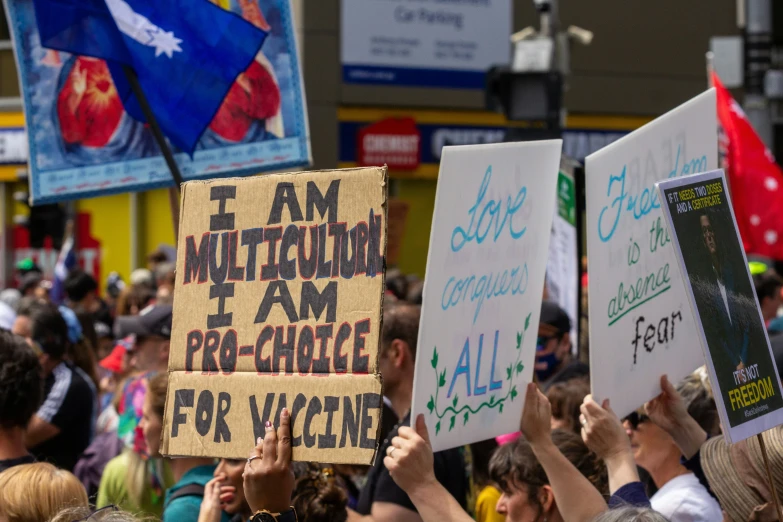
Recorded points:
(554, 362)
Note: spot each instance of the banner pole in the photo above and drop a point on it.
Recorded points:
(135, 86)
(769, 476)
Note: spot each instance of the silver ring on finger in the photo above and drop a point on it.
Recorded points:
(252, 458)
(583, 420)
(391, 451)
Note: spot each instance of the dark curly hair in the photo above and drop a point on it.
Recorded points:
(318, 496)
(21, 385)
(514, 465)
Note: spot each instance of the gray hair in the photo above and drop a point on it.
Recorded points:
(106, 515)
(630, 514)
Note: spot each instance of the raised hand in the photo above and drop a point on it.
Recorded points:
(409, 458)
(602, 430)
(670, 413)
(536, 423)
(210, 506)
(268, 476)
(667, 410)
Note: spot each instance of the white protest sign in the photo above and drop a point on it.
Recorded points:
(641, 325)
(562, 270)
(482, 294)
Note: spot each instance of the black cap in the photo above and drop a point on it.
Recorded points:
(153, 320)
(29, 281)
(553, 315)
(102, 330)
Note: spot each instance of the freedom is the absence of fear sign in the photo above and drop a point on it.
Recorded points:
(278, 302)
(640, 323)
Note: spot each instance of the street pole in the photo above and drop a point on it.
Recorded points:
(758, 60)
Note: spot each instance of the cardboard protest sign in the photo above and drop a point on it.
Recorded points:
(482, 294)
(640, 323)
(278, 304)
(720, 290)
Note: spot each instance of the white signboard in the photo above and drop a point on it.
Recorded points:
(640, 323)
(562, 269)
(13, 146)
(428, 43)
(482, 295)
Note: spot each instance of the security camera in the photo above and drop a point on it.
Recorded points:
(583, 36)
(543, 6)
(525, 34)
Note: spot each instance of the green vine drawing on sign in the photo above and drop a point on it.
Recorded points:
(465, 410)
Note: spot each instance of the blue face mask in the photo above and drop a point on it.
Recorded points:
(550, 360)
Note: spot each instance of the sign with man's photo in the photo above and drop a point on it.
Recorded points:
(720, 289)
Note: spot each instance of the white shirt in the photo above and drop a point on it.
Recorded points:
(722, 288)
(684, 499)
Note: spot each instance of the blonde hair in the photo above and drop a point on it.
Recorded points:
(37, 492)
(141, 470)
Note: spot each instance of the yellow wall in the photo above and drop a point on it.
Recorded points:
(420, 195)
(155, 222)
(110, 224)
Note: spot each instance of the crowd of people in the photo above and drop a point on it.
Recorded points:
(83, 381)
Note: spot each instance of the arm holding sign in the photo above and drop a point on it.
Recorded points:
(567, 482)
(410, 463)
(604, 434)
(669, 412)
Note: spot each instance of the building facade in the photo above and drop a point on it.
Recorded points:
(645, 59)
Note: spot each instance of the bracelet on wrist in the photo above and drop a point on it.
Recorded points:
(264, 515)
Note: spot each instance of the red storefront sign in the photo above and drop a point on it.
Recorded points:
(395, 142)
(88, 249)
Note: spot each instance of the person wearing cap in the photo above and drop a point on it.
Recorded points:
(152, 331)
(131, 480)
(554, 362)
(30, 284)
(105, 339)
(63, 426)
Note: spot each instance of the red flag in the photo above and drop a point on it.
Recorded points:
(755, 180)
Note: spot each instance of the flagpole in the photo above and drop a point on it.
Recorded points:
(174, 192)
(153, 123)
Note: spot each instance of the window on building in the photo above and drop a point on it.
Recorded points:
(5, 35)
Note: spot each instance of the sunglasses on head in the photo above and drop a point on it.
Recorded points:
(636, 418)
